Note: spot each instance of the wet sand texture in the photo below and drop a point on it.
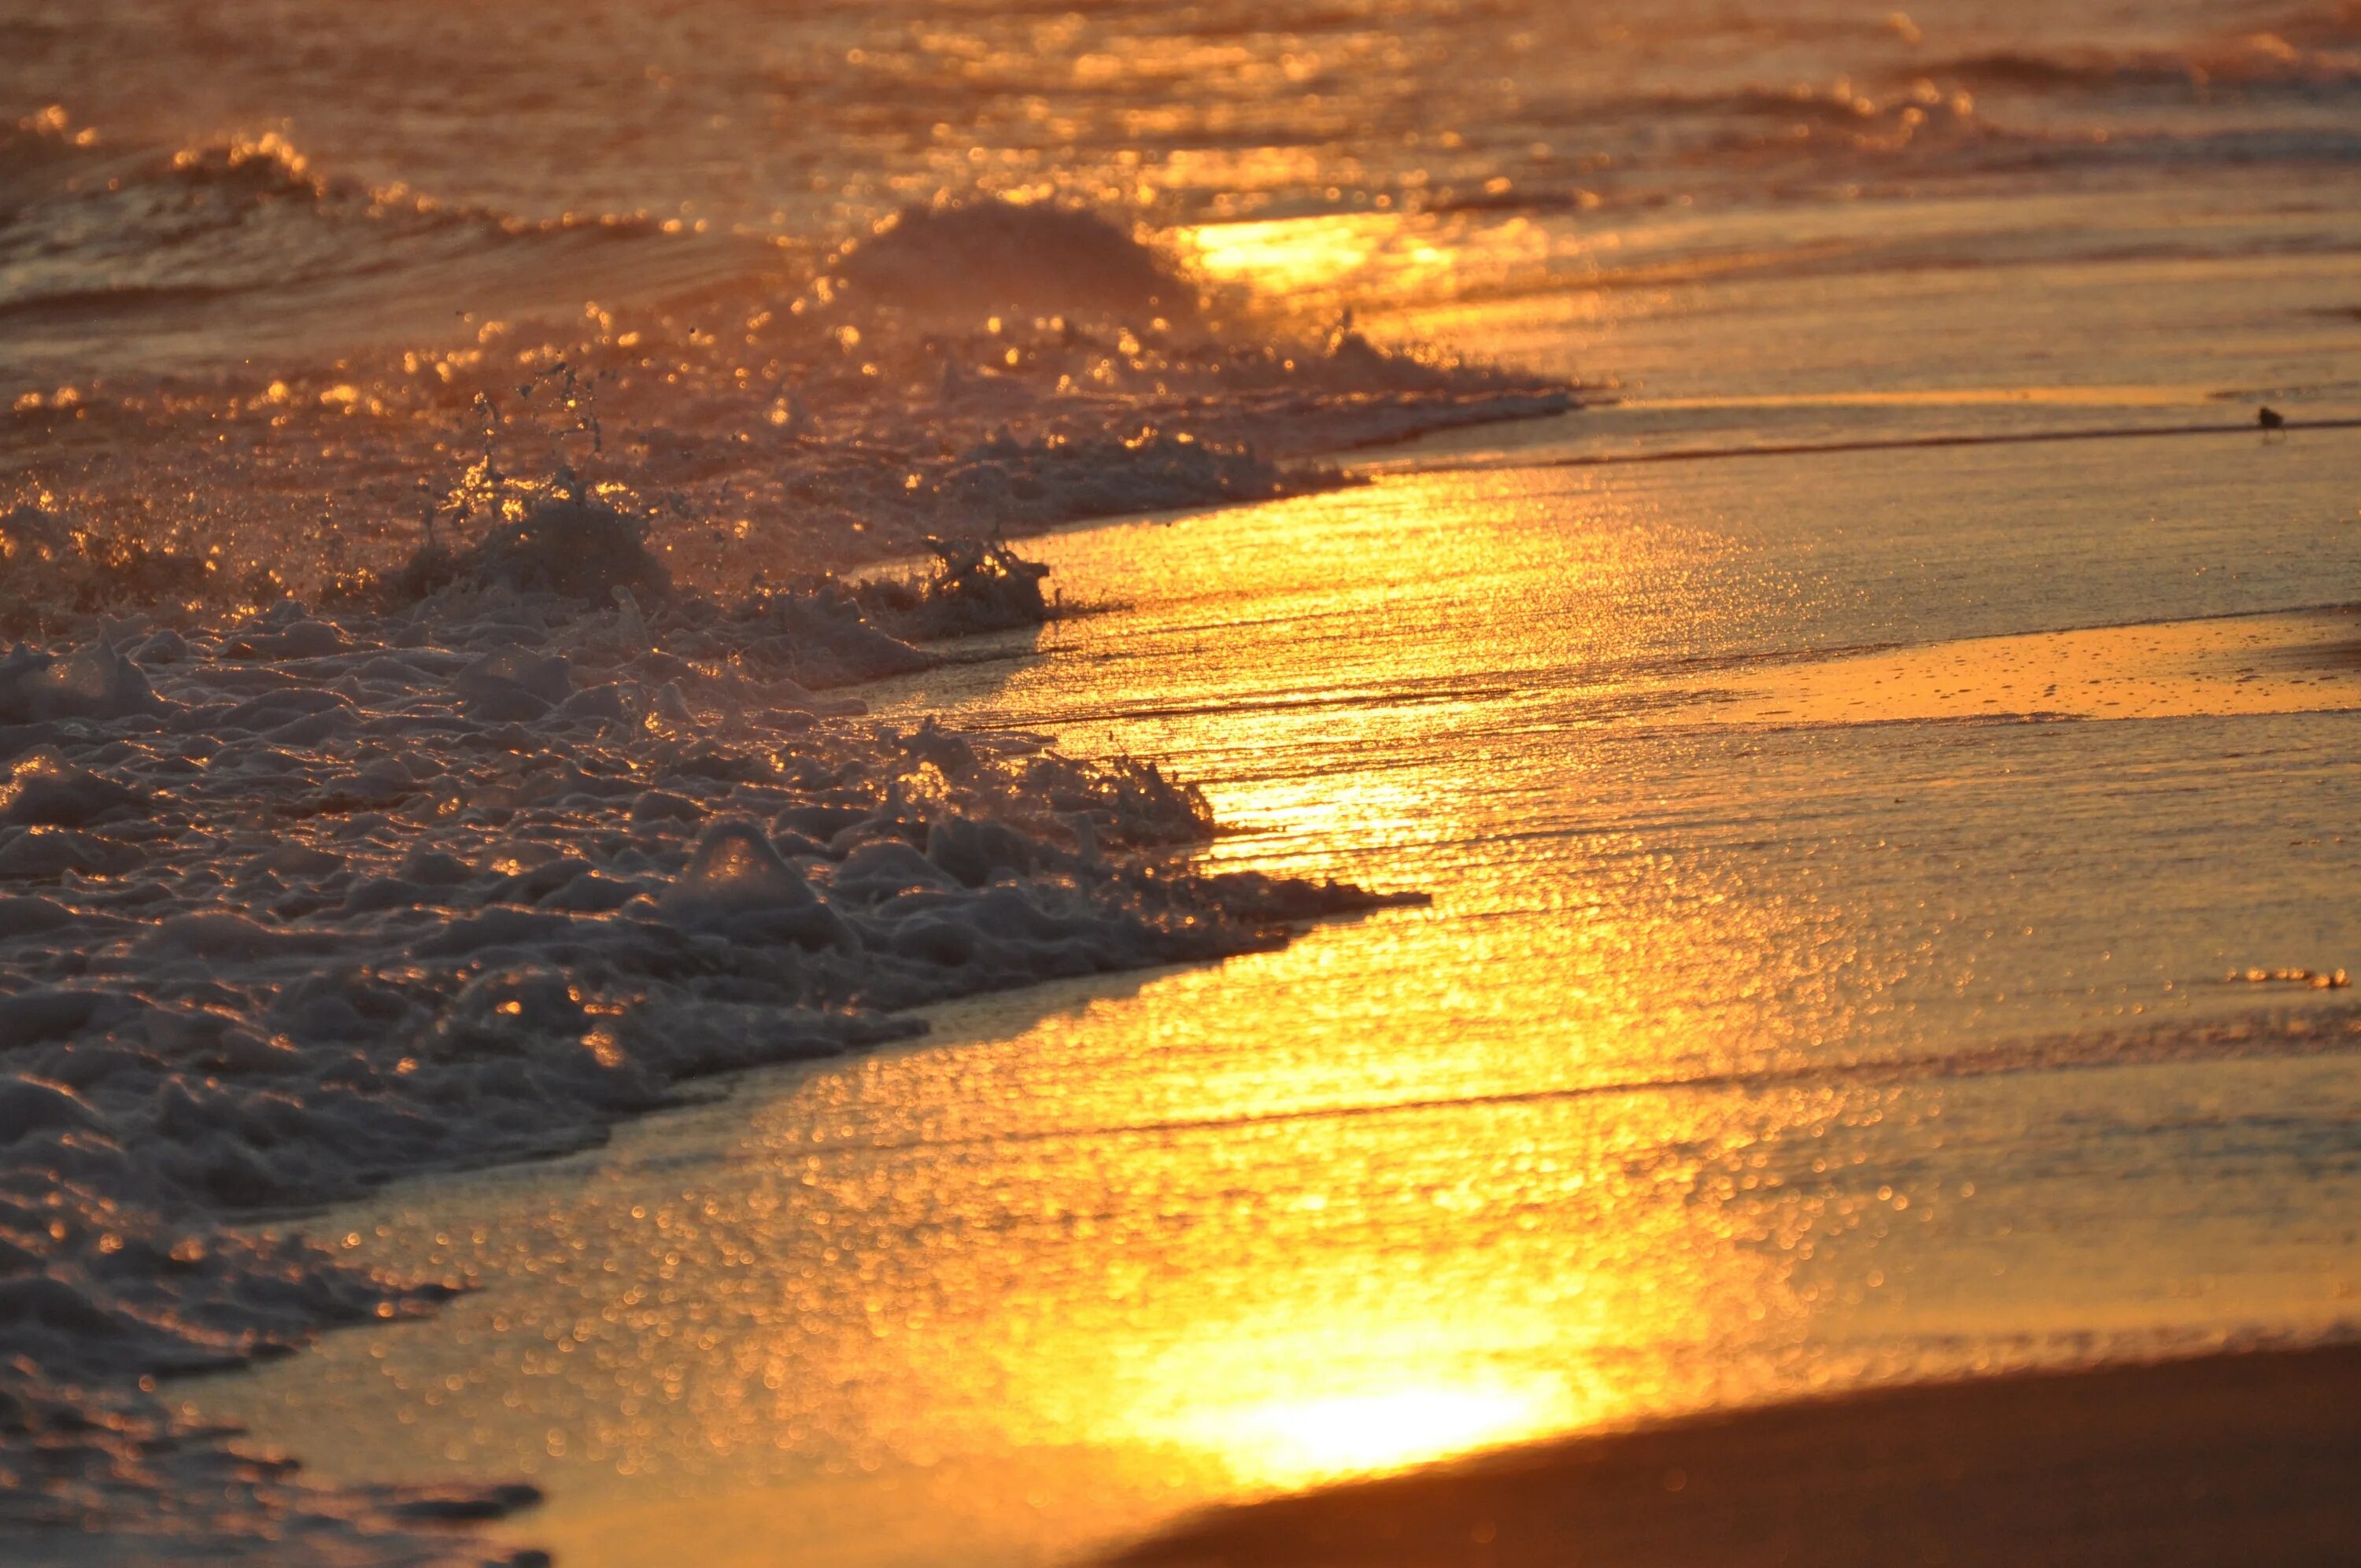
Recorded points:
(2232, 1459)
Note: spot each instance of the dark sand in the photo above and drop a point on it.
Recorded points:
(2232, 1459)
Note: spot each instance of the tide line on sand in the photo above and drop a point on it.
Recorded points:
(1697, 454)
(1915, 443)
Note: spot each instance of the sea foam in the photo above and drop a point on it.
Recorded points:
(293, 904)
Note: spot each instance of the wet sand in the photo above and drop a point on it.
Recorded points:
(2245, 1458)
(2297, 662)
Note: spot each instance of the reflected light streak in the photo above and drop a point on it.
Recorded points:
(1290, 1444)
(1291, 253)
(1366, 255)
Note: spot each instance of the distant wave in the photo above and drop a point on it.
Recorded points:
(2309, 57)
(247, 235)
(2255, 70)
(83, 221)
(2082, 70)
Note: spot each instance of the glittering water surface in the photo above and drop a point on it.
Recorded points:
(190, 183)
(1822, 985)
(1735, 1058)
(771, 117)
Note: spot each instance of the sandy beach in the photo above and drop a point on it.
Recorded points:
(2227, 1458)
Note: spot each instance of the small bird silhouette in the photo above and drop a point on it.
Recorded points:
(2271, 418)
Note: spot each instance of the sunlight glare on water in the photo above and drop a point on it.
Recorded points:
(1732, 1060)
(1888, 902)
(1308, 1440)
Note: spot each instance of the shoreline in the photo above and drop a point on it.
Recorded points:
(331, 901)
(527, 1532)
(511, 531)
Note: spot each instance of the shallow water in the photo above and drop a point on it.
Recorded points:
(1737, 1056)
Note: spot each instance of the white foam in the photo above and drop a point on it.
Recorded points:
(89, 683)
(310, 903)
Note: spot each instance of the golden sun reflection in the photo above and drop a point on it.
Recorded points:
(1291, 1444)
(1393, 256)
(1291, 255)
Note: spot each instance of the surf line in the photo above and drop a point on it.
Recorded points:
(1917, 443)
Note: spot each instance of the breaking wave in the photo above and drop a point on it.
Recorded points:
(2254, 64)
(969, 367)
(90, 219)
(230, 244)
(967, 259)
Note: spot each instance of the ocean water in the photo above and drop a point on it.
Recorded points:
(263, 257)
(1880, 766)
(248, 183)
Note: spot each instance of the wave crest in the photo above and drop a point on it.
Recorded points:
(968, 257)
(2308, 56)
(243, 238)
